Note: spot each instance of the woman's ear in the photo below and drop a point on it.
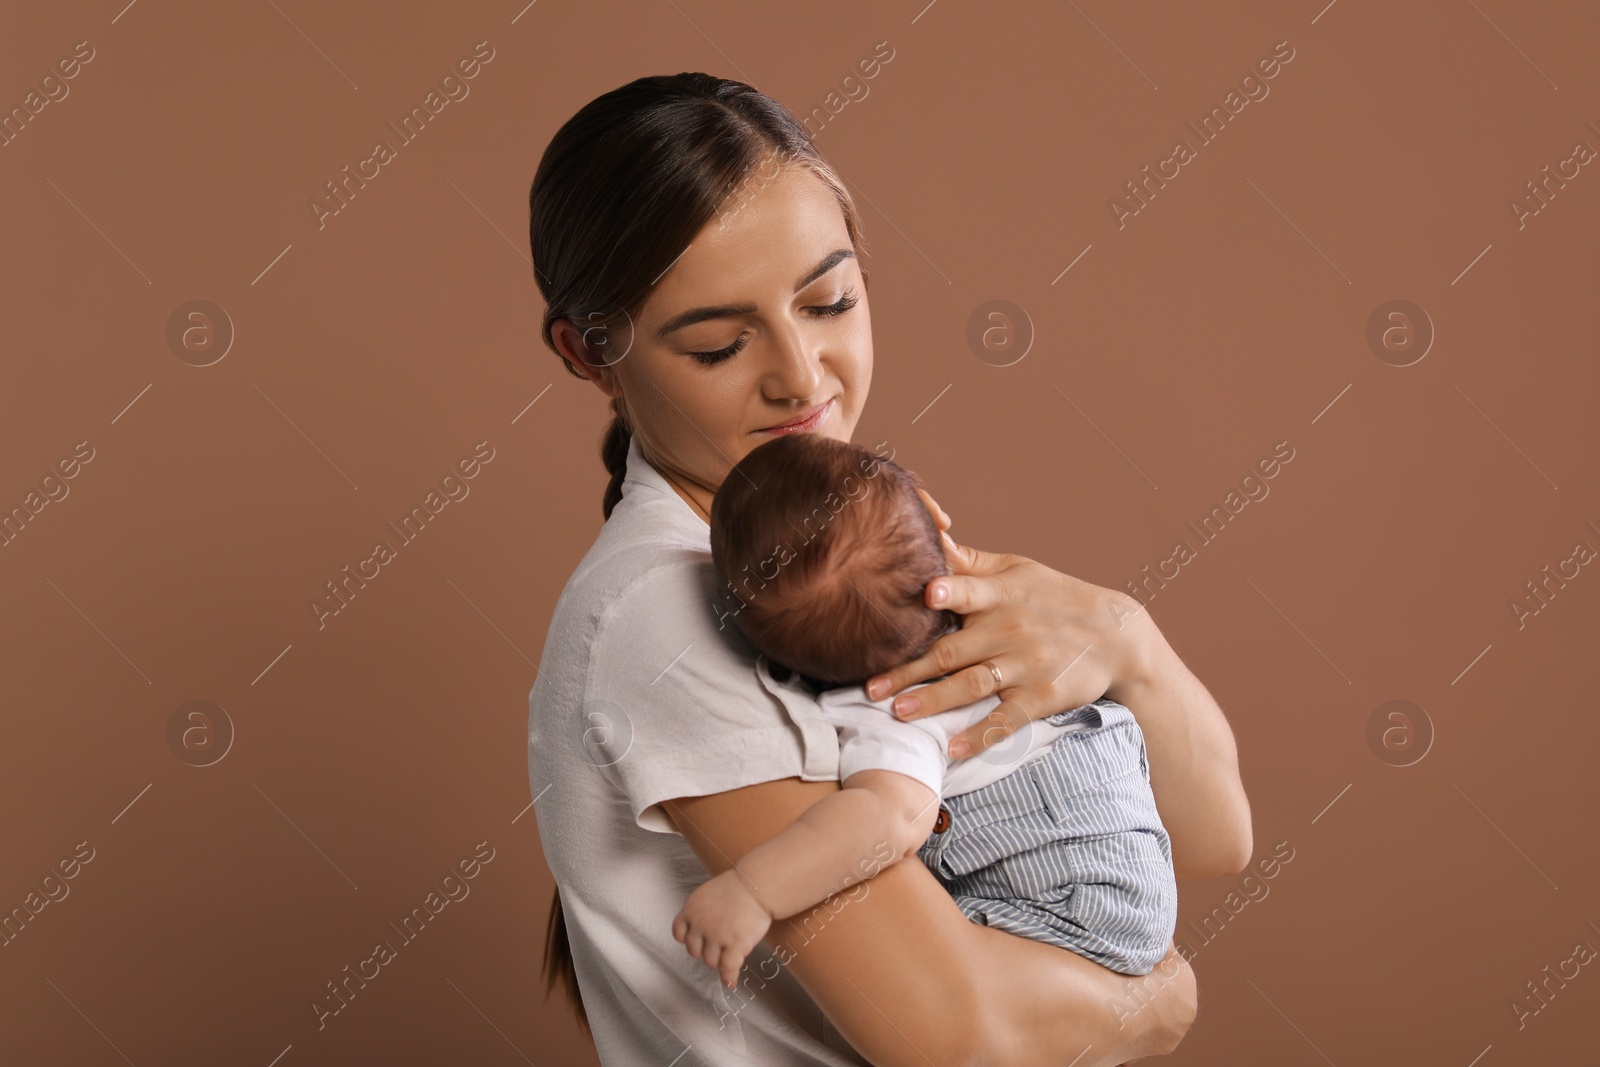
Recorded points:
(578, 346)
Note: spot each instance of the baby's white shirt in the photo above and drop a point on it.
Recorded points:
(872, 738)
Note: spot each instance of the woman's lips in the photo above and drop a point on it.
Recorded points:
(808, 422)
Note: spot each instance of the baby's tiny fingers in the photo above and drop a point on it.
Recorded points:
(730, 969)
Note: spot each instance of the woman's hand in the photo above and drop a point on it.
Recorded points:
(1057, 642)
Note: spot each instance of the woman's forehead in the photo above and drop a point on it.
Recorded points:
(765, 240)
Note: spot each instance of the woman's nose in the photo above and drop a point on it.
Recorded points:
(795, 369)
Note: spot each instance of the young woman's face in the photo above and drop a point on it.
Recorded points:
(762, 322)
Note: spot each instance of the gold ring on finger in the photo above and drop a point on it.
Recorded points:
(998, 681)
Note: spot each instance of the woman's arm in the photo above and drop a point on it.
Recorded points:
(1194, 762)
(848, 836)
(1060, 643)
(909, 980)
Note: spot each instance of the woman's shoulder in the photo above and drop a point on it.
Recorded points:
(622, 584)
(647, 530)
(645, 591)
(653, 687)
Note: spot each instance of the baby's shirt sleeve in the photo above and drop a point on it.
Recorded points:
(871, 738)
(673, 705)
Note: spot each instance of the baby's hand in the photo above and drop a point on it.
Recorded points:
(720, 923)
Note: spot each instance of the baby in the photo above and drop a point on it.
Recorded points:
(823, 551)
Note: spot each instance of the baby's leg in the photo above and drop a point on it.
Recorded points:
(1111, 899)
(1068, 849)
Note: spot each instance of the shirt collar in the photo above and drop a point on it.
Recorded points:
(792, 694)
(639, 474)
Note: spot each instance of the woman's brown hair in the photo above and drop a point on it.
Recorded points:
(621, 191)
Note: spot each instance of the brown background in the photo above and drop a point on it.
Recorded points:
(371, 755)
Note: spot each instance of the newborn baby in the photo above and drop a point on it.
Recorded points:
(823, 551)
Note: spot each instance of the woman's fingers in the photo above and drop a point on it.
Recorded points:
(940, 520)
(966, 594)
(971, 590)
(1000, 724)
(1058, 639)
(968, 560)
(944, 656)
(961, 688)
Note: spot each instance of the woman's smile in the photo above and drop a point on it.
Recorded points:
(809, 421)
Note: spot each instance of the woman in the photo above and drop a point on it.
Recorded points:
(700, 264)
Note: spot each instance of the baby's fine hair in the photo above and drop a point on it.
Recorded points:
(823, 551)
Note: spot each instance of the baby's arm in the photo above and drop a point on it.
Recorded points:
(836, 843)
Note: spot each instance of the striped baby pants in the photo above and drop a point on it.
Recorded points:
(1068, 848)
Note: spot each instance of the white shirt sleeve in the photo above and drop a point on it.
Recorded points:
(674, 707)
(871, 738)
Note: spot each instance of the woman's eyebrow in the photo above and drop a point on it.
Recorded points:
(701, 314)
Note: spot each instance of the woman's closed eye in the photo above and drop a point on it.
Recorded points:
(838, 307)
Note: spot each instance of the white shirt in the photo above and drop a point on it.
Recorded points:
(872, 738)
(641, 698)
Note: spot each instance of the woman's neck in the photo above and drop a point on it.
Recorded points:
(697, 496)
(702, 510)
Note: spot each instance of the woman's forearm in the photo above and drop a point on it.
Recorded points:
(1194, 762)
(908, 979)
(1041, 1013)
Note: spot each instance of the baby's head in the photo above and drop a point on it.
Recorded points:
(823, 551)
